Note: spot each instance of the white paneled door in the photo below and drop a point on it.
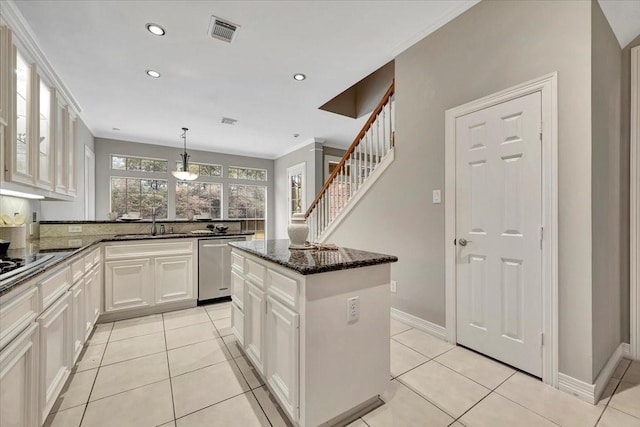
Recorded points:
(498, 230)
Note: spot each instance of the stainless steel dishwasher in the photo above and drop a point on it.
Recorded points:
(214, 267)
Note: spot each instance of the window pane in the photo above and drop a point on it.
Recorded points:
(199, 198)
(160, 165)
(139, 195)
(119, 163)
(133, 164)
(247, 201)
(148, 165)
(248, 173)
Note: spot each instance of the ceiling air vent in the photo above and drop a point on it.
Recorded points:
(228, 121)
(221, 29)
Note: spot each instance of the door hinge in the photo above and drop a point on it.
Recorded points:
(541, 235)
(540, 136)
(541, 339)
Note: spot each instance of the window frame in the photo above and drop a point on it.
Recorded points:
(137, 178)
(299, 169)
(266, 173)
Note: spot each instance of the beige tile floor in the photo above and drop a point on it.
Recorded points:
(185, 369)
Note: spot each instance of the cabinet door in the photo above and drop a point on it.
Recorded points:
(282, 358)
(60, 146)
(93, 297)
(254, 311)
(173, 278)
(237, 289)
(71, 156)
(127, 284)
(78, 298)
(46, 107)
(237, 323)
(56, 355)
(19, 364)
(21, 135)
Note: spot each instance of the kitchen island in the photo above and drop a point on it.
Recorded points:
(315, 325)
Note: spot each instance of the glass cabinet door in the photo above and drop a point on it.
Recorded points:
(71, 155)
(45, 152)
(62, 118)
(22, 165)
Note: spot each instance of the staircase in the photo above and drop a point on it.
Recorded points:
(365, 160)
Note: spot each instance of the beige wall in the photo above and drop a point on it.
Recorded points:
(311, 156)
(606, 196)
(492, 46)
(625, 127)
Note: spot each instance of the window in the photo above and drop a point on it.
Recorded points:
(198, 197)
(128, 163)
(202, 169)
(248, 173)
(247, 201)
(139, 195)
(295, 185)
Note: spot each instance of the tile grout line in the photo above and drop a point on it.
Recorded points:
(166, 353)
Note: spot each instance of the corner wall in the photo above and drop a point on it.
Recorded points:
(492, 46)
(606, 189)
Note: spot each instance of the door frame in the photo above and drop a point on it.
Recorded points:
(548, 86)
(634, 229)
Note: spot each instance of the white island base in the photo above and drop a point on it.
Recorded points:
(323, 368)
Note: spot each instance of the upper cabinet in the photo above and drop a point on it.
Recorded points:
(37, 123)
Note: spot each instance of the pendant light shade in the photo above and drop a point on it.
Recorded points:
(185, 174)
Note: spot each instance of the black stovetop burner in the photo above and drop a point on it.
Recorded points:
(7, 264)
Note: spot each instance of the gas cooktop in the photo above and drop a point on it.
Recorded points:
(14, 268)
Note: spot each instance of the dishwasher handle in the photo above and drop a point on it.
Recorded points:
(210, 245)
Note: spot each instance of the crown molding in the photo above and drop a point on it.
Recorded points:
(22, 32)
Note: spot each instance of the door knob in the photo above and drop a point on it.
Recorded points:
(463, 241)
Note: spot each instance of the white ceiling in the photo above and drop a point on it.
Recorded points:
(101, 50)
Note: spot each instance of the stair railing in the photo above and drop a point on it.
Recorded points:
(369, 148)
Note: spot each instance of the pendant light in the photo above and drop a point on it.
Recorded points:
(185, 174)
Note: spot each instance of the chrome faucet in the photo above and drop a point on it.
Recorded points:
(154, 231)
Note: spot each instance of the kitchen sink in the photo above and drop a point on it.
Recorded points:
(141, 236)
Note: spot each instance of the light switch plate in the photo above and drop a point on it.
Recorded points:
(437, 196)
(353, 309)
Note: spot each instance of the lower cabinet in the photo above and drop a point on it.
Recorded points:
(79, 328)
(237, 323)
(254, 311)
(127, 284)
(19, 386)
(173, 278)
(56, 351)
(282, 354)
(93, 298)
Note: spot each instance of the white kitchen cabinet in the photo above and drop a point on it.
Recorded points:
(94, 296)
(127, 284)
(237, 323)
(282, 361)
(19, 380)
(5, 77)
(78, 303)
(61, 177)
(254, 311)
(70, 153)
(43, 148)
(173, 278)
(56, 351)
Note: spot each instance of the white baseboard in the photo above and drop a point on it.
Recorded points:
(591, 392)
(418, 323)
(626, 350)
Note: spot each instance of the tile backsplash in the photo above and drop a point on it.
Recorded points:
(12, 205)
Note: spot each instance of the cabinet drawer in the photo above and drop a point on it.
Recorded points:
(157, 248)
(282, 287)
(255, 272)
(237, 289)
(92, 259)
(17, 314)
(237, 262)
(77, 269)
(54, 286)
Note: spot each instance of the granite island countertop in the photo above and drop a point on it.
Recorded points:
(312, 261)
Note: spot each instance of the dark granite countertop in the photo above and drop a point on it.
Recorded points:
(163, 221)
(64, 248)
(312, 261)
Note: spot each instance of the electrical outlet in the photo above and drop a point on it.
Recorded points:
(75, 229)
(353, 309)
(393, 286)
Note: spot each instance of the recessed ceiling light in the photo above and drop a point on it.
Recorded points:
(152, 73)
(155, 29)
(295, 135)
(115, 128)
(299, 77)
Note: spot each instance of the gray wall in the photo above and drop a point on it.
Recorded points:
(311, 156)
(624, 180)
(105, 147)
(492, 46)
(54, 211)
(606, 196)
